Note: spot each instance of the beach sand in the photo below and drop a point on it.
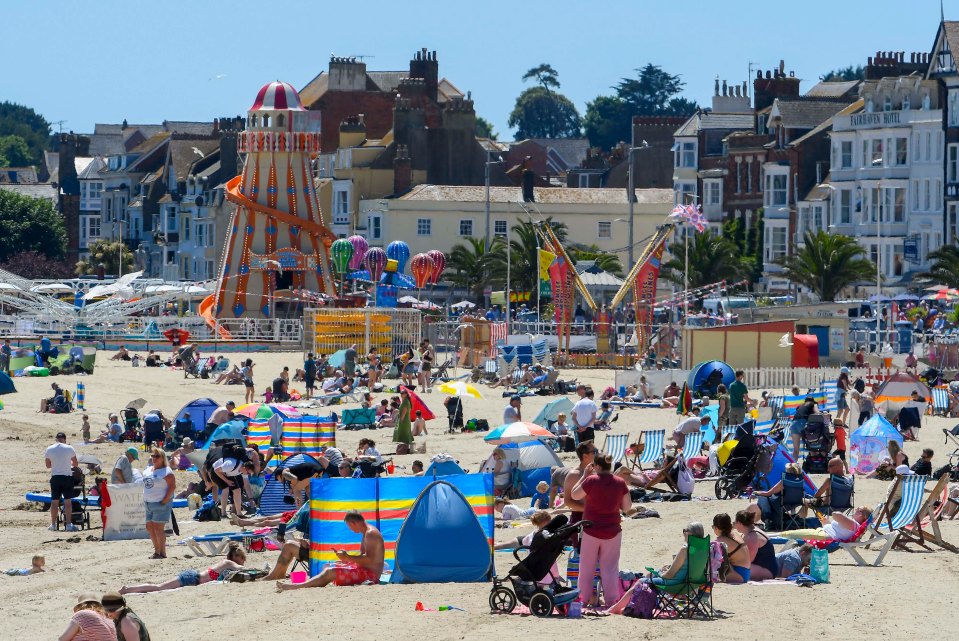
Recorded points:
(913, 594)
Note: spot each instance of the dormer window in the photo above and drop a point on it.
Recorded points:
(887, 104)
(906, 103)
(870, 107)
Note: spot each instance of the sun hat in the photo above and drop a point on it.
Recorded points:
(86, 598)
(113, 601)
(132, 451)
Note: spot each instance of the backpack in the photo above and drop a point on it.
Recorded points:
(642, 602)
(719, 565)
(209, 511)
(235, 450)
(859, 385)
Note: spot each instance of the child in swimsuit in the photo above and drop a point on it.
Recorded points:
(36, 566)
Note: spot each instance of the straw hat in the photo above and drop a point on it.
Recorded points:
(86, 598)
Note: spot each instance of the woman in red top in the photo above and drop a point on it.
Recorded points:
(605, 497)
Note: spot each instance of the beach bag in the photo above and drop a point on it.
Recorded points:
(470, 425)
(482, 425)
(685, 481)
(719, 564)
(819, 565)
(209, 511)
(860, 385)
(641, 603)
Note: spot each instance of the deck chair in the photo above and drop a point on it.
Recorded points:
(886, 535)
(776, 404)
(925, 528)
(664, 476)
(693, 445)
(216, 544)
(940, 401)
(652, 453)
(691, 597)
(441, 373)
(549, 383)
(358, 418)
(615, 446)
(728, 432)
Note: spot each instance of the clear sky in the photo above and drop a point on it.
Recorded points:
(106, 60)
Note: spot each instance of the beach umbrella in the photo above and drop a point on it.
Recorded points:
(460, 388)
(685, 404)
(463, 304)
(518, 432)
(337, 358)
(439, 264)
(264, 410)
(399, 251)
(137, 403)
(418, 404)
(906, 298)
(359, 251)
(408, 299)
(341, 251)
(944, 295)
(422, 269)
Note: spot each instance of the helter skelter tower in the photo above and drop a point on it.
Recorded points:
(277, 238)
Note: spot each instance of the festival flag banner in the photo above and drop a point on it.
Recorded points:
(545, 260)
(691, 214)
(644, 294)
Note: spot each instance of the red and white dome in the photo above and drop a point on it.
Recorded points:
(277, 95)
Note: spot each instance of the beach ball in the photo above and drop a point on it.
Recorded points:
(194, 501)
(399, 251)
(341, 251)
(374, 261)
(422, 269)
(359, 251)
(439, 264)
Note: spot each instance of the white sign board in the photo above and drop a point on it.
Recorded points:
(124, 516)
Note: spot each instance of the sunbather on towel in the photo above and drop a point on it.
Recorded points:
(235, 557)
(839, 527)
(353, 569)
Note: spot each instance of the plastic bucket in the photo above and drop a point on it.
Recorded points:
(298, 577)
(887, 362)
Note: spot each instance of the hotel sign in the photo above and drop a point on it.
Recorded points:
(875, 119)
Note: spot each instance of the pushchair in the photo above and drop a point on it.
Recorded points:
(79, 515)
(952, 466)
(525, 584)
(131, 424)
(818, 441)
(747, 465)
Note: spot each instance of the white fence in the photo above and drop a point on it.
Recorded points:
(785, 377)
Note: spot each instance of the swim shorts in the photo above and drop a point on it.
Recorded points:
(189, 578)
(352, 574)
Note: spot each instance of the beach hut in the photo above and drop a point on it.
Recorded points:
(533, 460)
(706, 376)
(441, 540)
(869, 443)
(200, 411)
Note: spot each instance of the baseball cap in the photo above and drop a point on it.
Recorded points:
(113, 601)
(132, 451)
(61, 435)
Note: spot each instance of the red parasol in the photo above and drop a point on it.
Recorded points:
(418, 404)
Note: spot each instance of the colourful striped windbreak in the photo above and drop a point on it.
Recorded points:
(258, 434)
(790, 403)
(307, 435)
(384, 503)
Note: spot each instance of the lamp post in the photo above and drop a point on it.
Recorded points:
(631, 192)
(487, 179)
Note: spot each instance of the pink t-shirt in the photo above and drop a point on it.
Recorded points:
(94, 626)
(604, 497)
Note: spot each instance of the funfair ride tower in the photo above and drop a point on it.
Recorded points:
(277, 237)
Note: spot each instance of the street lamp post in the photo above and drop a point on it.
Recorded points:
(487, 181)
(631, 191)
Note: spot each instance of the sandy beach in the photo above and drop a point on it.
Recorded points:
(913, 594)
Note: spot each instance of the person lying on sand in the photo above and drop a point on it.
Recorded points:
(36, 566)
(353, 569)
(235, 557)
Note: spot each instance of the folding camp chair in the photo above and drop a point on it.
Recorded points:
(615, 446)
(440, 373)
(792, 501)
(358, 418)
(911, 502)
(693, 445)
(841, 493)
(692, 596)
(940, 401)
(216, 544)
(652, 453)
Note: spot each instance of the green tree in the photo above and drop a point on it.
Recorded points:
(17, 120)
(749, 242)
(827, 264)
(524, 270)
(106, 252)
(712, 258)
(607, 262)
(30, 224)
(484, 129)
(541, 112)
(654, 92)
(945, 267)
(845, 73)
(14, 152)
(471, 267)
(33, 264)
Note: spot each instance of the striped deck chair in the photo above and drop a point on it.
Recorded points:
(653, 442)
(829, 390)
(925, 528)
(887, 534)
(693, 446)
(727, 432)
(615, 446)
(776, 404)
(940, 401)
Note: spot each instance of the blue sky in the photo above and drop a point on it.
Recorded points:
(103, 61)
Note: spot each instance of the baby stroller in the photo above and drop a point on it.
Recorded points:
(817, 440)
(79, 516)
(952, 467)
(524, 577)
(747, 465)
(131, 424)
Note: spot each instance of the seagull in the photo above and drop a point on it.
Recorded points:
(784, 340)
(198, 152)
(218, 76)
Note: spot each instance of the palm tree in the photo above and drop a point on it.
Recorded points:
(106, 252)
(469, 265)
(945, 269)
(712, 258)
(525, 259)
(827, 264)
(607, 262)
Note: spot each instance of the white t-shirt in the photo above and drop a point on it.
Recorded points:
(229, 466)
(154, 485)
(510, 415)
(375, 453)
(61, 457)
(836, 531)
(511, 512)
(689, 425)
(584, 409)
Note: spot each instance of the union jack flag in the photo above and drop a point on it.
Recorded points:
(692, 214)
